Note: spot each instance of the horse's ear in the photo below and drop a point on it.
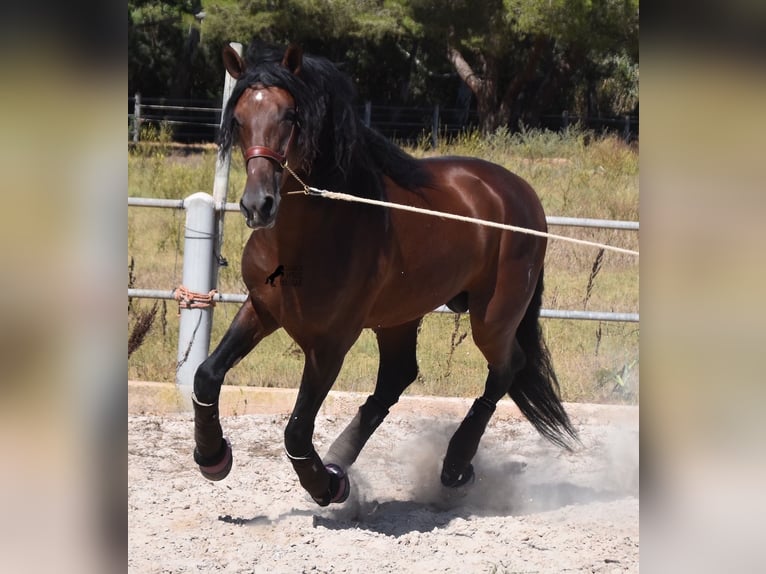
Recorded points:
(293, 59)
(233, 62)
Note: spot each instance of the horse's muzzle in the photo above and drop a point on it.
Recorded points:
(260, 214)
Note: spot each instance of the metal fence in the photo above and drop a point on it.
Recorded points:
(204, 217)
(200, 277)
(195, 121)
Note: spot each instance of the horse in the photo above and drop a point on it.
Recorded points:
(369, 267)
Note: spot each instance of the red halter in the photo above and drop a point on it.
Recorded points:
(263, 151)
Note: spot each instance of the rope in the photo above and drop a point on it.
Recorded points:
(308, 190)
(191, 300)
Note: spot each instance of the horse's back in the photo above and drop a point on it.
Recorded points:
(487, 189)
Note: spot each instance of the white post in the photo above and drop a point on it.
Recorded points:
(199, 246)
(137, 117)
(435, 128)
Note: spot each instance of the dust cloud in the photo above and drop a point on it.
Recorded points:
(510, 479)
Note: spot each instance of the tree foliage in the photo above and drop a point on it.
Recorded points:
(521, 57)
(162, 38)
(516, 59)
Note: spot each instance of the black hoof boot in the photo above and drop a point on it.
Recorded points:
(218, 467)
(453, 479)
(340, 485)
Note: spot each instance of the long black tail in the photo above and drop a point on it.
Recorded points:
(535, 389)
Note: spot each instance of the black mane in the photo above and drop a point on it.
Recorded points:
(340, 153)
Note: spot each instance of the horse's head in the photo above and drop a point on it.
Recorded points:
(266, 121)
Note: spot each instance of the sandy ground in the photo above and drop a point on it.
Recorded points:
(533, 508)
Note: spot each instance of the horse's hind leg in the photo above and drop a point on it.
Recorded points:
(397, 370)
(457, 469)
(212, 452)
(494, 332)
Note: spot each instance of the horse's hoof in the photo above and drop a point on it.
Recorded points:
(219, 470)
(465, 477)
(340, 485)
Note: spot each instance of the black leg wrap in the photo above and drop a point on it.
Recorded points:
(212, 452)
(351, 441)
(208, 435)
(457, 469)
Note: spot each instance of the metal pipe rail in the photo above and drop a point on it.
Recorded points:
(544, 313)
(203, 239)
(552, 220)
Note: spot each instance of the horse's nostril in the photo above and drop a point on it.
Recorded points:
(245, 211)
(267, 206)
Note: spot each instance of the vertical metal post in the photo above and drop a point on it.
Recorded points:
(195, 324)
(202, 256)
(221, 181)
(626, 130)
(367, 113)
(136, 117)
(435, 128)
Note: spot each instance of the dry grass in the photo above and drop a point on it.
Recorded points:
(575, 174)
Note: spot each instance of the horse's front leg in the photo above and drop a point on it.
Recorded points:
(212, 452)
(329, 483)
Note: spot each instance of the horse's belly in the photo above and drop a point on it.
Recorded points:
(411, 293)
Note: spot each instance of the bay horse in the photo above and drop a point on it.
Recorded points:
(367, 267)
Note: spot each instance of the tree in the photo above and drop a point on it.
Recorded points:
(361, 35)
(506, 50)
(163, 36)
(519, 59)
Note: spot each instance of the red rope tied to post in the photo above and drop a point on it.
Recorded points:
(192, 300)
